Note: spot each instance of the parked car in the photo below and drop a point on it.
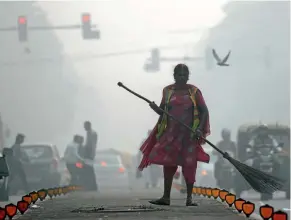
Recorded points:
(43, 168)
(4, 175)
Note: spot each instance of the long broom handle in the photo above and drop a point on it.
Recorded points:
(171, 116)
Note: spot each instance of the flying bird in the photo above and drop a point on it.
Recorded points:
(218, 60)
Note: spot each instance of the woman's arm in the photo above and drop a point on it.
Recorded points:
(203, 111)
(156, 108)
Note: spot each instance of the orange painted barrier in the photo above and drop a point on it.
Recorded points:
(242, 206)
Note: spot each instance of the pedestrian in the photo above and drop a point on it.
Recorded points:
(72, 157)
(170, 144)
(91, 141)
(15, 164)
(81, 150)
(89, 154)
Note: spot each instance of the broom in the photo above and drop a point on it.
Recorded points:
(258, 180)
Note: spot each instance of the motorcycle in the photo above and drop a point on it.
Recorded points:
(154, 175)
(265, 159)
(224, 172)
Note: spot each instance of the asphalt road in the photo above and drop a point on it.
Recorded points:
(138, 190)
(122, 205)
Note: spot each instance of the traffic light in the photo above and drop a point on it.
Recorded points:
(22, 28)
(156, 58)
(153, 63)
(209, 59)
(87, 31)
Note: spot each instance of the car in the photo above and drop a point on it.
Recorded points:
(65, 174)
(4, 175)
(205, 171)
(281, 170)
(205, 175)
(43, 167)
(110, 171)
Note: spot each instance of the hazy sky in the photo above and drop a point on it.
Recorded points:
(121, 119)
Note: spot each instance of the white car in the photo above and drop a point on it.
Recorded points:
(110, 172)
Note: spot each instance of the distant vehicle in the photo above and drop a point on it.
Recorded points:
(265, 158)
(224, 172)
(110, 171)
(205, 171)
(4, 175)
(205, 175)
(43, 169)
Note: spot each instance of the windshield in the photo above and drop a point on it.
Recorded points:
(38, 152)
(283, 139)
(206, 166)
(107, 160)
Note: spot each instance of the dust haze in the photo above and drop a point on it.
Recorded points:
(52, 83)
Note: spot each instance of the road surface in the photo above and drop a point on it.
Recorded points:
(140, 195)
(124, 205)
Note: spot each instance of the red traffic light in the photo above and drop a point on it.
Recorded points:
(86, 17)
(22, 20)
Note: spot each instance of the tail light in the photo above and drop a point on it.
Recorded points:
(55, 163)
(204, 173)
(121, 169)
(103, 164)
(79, 165)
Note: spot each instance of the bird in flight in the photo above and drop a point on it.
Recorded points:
(218, 60)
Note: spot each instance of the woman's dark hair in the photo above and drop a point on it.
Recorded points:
(181, 67)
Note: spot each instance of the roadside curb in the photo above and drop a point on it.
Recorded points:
(238, 205)
(27, 203)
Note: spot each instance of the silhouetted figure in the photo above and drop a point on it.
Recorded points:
(72, 157)
(91, 141)
(89, 154)
(170, 143)
(15, 162)
(226, 144)
(262, 138)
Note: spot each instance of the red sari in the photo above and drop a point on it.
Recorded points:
(176, 147)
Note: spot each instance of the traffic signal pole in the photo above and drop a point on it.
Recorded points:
(88, 29)
(153, 63)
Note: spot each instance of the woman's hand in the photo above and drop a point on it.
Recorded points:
(198, 133)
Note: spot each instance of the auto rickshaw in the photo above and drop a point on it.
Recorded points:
(282, 134)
